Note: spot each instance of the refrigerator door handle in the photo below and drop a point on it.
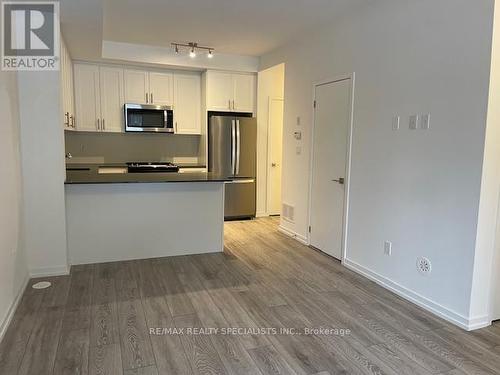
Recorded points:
(247, 181)
(233, 146)
(238, 146)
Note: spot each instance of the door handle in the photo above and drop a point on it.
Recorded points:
(340, 180)
(233, 146)
(238, 146)
(274, 164)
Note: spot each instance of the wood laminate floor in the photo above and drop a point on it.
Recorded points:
(98, 319)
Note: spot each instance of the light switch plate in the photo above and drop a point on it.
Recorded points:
(388, 248)
(298, 120)
(414, 122)
(425, 121)
(396, 122)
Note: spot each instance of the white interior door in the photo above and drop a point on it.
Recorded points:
(275, 155)
(330, 140)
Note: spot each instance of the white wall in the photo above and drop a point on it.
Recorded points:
(42, 158)
(419, 189)
(13, 270)
(270, 84)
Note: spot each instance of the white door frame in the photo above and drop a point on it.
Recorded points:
(268, 169)
(339, 78)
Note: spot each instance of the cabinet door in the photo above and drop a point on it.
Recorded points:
(161, 88)
(244, 92)
(136, 85)
(87, 96)
(219, 91)
(187, 97)
(64, 87)
(111, 84)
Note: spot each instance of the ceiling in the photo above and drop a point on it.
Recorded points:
(243, 27)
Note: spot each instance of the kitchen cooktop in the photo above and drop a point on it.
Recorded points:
(152, 167)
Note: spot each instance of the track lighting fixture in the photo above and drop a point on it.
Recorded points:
(192, 49)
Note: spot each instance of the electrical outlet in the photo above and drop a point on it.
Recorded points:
(414, 122)
(395, 122)
(425, 121)
(388, 248)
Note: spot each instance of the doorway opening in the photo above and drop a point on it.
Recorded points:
(330, 165)
(270, 115)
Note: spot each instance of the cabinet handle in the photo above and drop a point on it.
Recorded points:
(66, 116)
(98, 124)
(151, 96)
(175, 131)
(147, 98)
(233, 104)
(229, 103)
(103, 125)
(72, 121)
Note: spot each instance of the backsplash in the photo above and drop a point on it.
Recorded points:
(89, 147)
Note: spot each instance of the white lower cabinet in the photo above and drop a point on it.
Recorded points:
(99, 98)
(187, 98)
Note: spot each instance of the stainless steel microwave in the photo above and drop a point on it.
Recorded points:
(148, 118)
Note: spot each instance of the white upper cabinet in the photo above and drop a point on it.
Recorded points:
(136, 83)
(66, 73)
(99, 98)
(161, 88)
(219, 91)
(244, 92)
(111, 95)
(144, 87)
(87, 97)
(187, 103)
(233, 92)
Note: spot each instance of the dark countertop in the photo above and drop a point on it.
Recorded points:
(88, 174)
(69, 164)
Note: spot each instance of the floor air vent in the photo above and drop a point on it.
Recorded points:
(288, 212)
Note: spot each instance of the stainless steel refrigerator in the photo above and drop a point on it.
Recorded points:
(232, 144)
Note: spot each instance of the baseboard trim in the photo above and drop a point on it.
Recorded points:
(294, 235)
(466, 323)
(13, 307)
(261, 214)
(51, 271)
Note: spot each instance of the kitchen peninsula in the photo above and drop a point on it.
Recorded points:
(122, 216)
